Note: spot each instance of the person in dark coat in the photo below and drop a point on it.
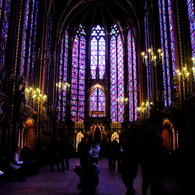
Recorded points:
(88, 174)
(153, 161)
(94, 152)
(129, 165)
(53, 156)
(16, 165)
(64, 153)
(29, 161)
(83, 151)
(113, 154)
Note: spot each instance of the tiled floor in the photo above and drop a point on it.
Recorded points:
(46, 182)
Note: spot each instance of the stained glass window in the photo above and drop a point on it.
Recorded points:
(4, 18)
(48, 54)
(62, 93)
(132, 78)
(148, 65)
(97, 52)
(191, 16)
(78, 76)
(29, 39)
(168, 47)
(97, 101)
(117, 76)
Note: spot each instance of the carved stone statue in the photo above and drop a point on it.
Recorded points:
(20, 103)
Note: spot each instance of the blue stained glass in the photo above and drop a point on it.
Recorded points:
(97, 102)
(191, 17)
(78, 76)
(97, 51)
(117, 75)
(167, 27)
(63, 77)
(27, 28)
(24, 37)
(4, 13)
(132, 78)
(172, 46)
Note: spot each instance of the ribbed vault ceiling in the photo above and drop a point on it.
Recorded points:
(72, 13)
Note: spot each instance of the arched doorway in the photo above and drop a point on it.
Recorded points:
(97, 133)
(27, 134)
(169, 135)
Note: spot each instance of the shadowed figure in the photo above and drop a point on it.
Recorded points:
(182, 167)
(64, 153)
(88, 174)
(83, 151)
(94, 152)
(17, 165)
(129, 165)
(154, 161)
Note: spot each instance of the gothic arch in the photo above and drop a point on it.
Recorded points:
(169, 134)
(98, 112)
(27, 134)
(97, 132)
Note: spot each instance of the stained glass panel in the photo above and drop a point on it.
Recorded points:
(168, 44)
(78, 76)
(117, 76)
(28, 39)
(191, 16)
(132, 78)
(97, 52)
(97, 103)
(62, 94)
(4, 18)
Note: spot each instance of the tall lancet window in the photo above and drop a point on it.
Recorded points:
(97, 101)
(62, 94)
(168, 45)
(132, 78)
(4, 18)
(48, 56)
(28, 50)
(148, 65)
(191, 16)
(97, 52)
(78, 76)
(117, 76)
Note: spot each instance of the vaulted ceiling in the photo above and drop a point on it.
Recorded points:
(72, 13)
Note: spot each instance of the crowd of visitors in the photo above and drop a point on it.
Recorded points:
(89, 169)
(83, 151)
(154, 161)
(25, 162)
(20, 164)
(59, 154)
(124, 156)
(17, 165)
(114, 151)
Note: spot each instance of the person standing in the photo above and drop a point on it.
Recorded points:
(83, 151)
(53, 156)
(64, 153)
(17, 165)
(115, 154)
(129, 165)
(89, 178)
(153, 162)
(94, 152)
